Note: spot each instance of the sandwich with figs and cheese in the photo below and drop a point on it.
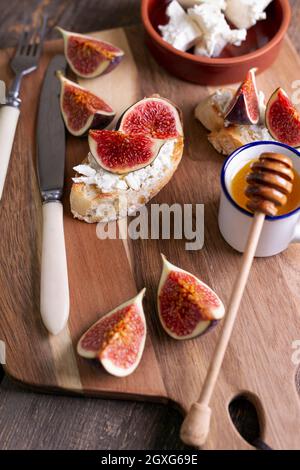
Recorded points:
(126, 167)
(234, 118)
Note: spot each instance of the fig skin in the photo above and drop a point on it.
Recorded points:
(94, 118)
(96, 351)
(214, 312)
(109, 56)
(290, 116)
(238, 111)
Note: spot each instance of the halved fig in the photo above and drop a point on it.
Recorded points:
(282, 119)
(117, 340)
(186, 306)
(244, 107)
(81, 109)
(155, 116)
(89, 57)
(121, 153)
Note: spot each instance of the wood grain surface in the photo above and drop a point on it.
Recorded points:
(196, 134)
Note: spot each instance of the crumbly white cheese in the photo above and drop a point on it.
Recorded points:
(221, 99)
(259, 132)
(246, 13)
(216, 32)
(92, 174)
(181, 32)
(190, 3)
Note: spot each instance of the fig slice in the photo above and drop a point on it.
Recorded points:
(117, 340)
(186, 306)
(155, 116)
(282, 119)
(244, 107)
(81, 109)
(89, 57)
(122, 153)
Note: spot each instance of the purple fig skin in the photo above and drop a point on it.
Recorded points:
(100, 121)
(113, 64)
(238, 114)
(239, 110)
(210, 328)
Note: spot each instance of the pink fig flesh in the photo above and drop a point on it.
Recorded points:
(154, 116)
(121, 153)
(118, 338)
(282, 119)
(81, 109)
(89, 57)
(244, 107)
(187, 307)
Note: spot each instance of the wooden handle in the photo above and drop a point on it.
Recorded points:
(54, 272)
(195, 427)
(8, 122)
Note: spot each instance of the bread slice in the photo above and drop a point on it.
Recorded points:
(225, 139)
(210, 111)
(92, 205)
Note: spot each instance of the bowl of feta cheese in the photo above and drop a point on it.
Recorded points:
(215, 42)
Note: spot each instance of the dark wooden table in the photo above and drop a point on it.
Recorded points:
(37, 421)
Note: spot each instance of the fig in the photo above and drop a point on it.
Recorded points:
(122, 153)
(81, 109)
(186, 306)
(282, 119)
(155, 116)
(89, 57)
(244, 107)
(117, 340)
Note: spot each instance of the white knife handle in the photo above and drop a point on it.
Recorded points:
(55, 300)
(9, 116)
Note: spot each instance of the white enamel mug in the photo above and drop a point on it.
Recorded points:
(234, 222)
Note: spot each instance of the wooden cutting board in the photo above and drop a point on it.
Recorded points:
(102, 274)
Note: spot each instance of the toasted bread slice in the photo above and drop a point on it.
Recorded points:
(210, 111)
(90, 204)
(227, 139)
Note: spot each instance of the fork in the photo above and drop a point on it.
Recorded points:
(25, 61)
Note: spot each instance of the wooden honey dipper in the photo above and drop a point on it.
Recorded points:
(269, 184)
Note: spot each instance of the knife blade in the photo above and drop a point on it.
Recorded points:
(54, 293)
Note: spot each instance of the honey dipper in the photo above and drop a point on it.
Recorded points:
(269, 184)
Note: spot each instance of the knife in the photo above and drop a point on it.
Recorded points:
(54, 295)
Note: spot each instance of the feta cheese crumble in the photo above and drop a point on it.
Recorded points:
(181, 32)
(216, 32)
(92, 174)
(205, 25)
(246, 13)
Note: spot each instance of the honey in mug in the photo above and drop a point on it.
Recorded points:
(239, 184)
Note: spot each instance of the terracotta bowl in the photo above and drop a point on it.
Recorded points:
(259, 50)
